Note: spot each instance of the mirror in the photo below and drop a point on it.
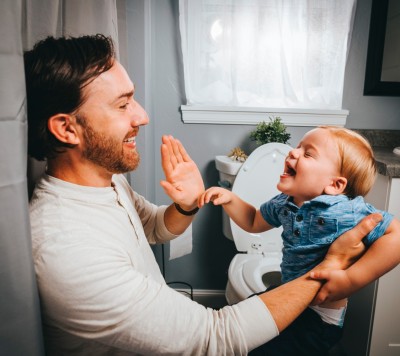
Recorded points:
(382, 75)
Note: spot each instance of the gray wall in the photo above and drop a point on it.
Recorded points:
(157, 71)
(366, 112)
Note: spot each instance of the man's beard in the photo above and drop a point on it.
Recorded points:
(106, 151)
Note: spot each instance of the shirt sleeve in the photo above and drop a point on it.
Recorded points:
(137, 313)
(150, 215)
(380, 229)
(270, 210)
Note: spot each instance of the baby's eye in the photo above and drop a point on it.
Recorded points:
(307, 154)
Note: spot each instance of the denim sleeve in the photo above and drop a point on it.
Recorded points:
(270, 210)
(380, 228)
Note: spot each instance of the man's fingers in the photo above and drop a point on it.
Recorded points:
(175, 147)
(166, 186)
(185, 156)
(165, 162)
(349, 247)
(365, 227)
(169, 151)
(170, 190)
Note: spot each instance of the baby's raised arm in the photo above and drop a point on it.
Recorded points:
(243, 214)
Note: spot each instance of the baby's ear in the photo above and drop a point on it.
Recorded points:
(337, 186)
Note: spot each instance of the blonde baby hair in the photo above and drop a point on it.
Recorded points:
(356, 158)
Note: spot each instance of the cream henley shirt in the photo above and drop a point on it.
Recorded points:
(101, 290)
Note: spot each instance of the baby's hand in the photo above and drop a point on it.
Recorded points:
(219, 196)
(337, 285)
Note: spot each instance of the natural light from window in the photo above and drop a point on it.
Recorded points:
(265, 55)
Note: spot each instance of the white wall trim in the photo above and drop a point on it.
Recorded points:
(252, 116)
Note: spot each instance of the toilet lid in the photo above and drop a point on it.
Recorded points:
(256, 183)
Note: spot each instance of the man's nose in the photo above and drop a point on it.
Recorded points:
(139, 116)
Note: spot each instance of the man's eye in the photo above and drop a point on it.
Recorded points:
(124, 106)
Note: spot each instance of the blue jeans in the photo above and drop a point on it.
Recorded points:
(308, 335)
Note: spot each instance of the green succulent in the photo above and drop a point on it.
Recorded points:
(273, 131)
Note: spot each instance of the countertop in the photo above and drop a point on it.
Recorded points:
(383, 142)
(387, 163)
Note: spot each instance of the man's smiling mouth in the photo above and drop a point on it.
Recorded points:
(130, 139)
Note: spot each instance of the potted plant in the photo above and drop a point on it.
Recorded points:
(273, 131)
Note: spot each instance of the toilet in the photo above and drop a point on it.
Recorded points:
(256, 266)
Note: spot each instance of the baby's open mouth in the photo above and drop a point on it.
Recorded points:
(289, 171)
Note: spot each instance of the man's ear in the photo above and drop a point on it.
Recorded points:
(337, 186)
(63, 127)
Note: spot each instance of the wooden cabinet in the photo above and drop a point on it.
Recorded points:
(384, 331)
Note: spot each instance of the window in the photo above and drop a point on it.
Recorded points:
(280, 57)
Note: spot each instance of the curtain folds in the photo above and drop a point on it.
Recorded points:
(43, 18)
(20, 327)
(22, 23)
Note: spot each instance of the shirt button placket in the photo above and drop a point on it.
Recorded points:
(298, 223)
(131, 219)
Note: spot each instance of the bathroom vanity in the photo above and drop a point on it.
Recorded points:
(384, 338)
(373, 326)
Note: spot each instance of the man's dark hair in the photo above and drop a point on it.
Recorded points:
(56, 71)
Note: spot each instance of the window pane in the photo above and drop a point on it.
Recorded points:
(276, 53)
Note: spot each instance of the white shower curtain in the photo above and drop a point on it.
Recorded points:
(22, 23)
(69, 18)
(42, 18)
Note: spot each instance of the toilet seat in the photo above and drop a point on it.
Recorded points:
(251, 271)
(254, 268)
(245, 275)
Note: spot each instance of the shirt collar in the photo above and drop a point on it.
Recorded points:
(327, 200)
(75, 191)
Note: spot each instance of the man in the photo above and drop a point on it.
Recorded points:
(100, 287)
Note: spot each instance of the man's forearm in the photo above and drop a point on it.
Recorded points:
(176, 222)
(288, 301)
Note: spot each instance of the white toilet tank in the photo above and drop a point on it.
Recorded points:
(228, 169)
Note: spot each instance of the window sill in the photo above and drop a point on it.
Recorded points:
(252, 116)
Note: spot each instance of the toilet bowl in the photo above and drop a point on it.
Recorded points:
(257, 265)
(251, 273)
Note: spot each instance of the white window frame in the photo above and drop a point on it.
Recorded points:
(252, 116)
(236, 115)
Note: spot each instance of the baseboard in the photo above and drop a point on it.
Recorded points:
(211, 298)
